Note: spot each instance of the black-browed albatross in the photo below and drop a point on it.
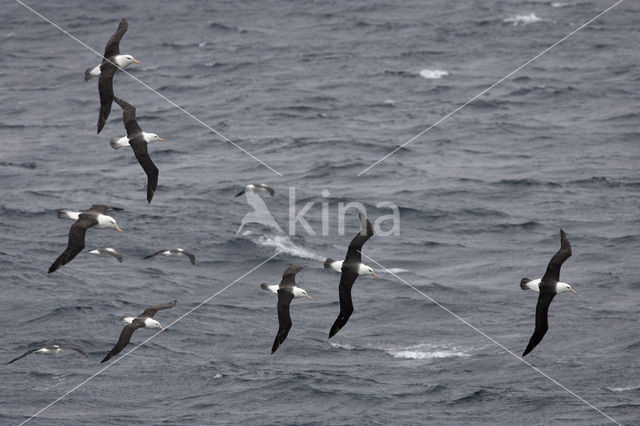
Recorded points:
(112, 53)
(139, 144)
(49, 350)
(174, 252)
(351, 267)
(548, 286)
(107, 251)
(94, 216)
(108, 68)
(144, 320)
(286, 292)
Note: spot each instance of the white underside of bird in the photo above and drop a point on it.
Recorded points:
(121, 61)
(362, 269)
(123, 142)
(297, 291)
(148, 322)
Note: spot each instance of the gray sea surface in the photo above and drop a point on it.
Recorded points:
(320, 91)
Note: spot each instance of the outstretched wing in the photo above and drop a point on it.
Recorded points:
(128, 117)
(284, 318)
(123, 341)
(112, 47)
(191, 257)
(102, 208)
(154, 254)
(289, 276)
(553, 269)
(151, 311)
(353, 253)
(76, 241)
(346, 305)
(267, 188)
(73, 348)
(105, 89)
(542, 324)
(139, 146)
(29, 352)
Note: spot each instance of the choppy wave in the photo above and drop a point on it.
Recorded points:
(622, 388)
(433, 74)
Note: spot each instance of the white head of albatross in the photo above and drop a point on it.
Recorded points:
(124, 61)
(562, 287)
(105, 222)
(366, 270)
(298, 292)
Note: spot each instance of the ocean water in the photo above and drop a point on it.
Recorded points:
(320, 91)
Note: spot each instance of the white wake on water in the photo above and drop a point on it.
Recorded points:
(285, 244)
(433, 74)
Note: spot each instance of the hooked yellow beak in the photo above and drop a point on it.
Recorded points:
(135, 61)
(375, 275)
(118, 228)
(573, 291)
(307, 296)
(161, 140)
(161, 327)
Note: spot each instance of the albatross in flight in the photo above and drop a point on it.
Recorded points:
(351, 267)
(94, 216)
(144, 320)
(49, 350)
(138, 141)
(255, 187)
(174, 252)
(111, 61)
(548, 286)
(286, 292)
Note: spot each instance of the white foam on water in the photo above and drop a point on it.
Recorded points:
(342, 346)
(433, 74)
(283, 243)
(523, 19)
(426, 351)
(623, 389)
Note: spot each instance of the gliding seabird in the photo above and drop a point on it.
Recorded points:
(144, 320)
(548, 286)
(351, 267)
(94, 216)
(49, 350)
(286, 292)
(111, 60)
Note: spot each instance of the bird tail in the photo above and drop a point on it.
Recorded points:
(87, 74)
(240, 193)
(68, 214)
(327, 263)
(264, 286)
(523, 283)
(114, 143)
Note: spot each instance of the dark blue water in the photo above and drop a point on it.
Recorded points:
(320, 91)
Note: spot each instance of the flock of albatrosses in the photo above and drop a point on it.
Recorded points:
(350, 268)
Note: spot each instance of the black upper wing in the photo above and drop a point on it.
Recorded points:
(346, 305)
(105, 89)
(139, 146)
(112, 47)
(125, 337)
(553, 269)
(30, 351)
(128, 117)
(284, 318)
(151, 311)
(154, 254)
(191, 257)
(76, 241)
(289, 276)
(353, 253)
(73, 348)
(542, 324)
(102, 208)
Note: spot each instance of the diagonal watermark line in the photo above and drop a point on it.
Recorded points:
(581, 27)
(152, 89)
(149, 338)
(492, 340)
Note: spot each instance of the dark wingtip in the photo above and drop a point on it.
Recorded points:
(327, 263)
(53, 268)
(239, 194)
(523, 283)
